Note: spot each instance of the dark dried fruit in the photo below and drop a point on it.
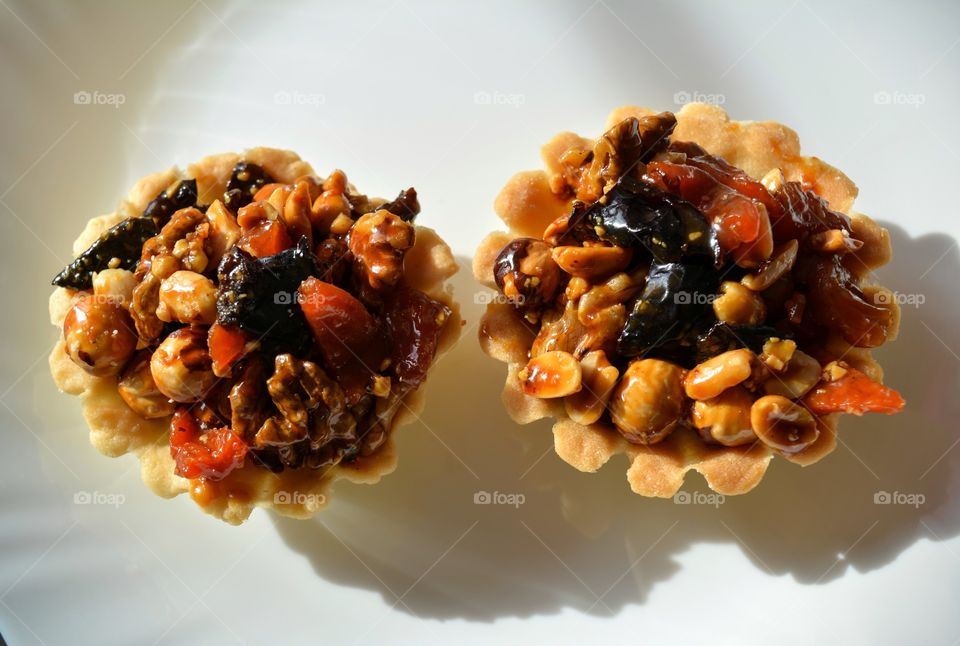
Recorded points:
(247, 179)
(674, 308)
(802, 213)
(166, 204)
(259, 295)
(406, 205)
(671, 229)
(117, 247)
(414, 321)
(741, 223)
(834, 300)
(234, 200)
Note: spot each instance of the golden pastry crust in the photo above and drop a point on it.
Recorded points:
(526, 205)
(116, 430)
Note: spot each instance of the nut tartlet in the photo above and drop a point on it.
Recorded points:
(251, 331)
(690, 291)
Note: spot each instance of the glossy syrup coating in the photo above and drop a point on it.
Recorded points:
(99, 335)
(217, 456)
(727, 275)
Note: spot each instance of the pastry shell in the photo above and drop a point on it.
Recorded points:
(527, 205)
(116, 430)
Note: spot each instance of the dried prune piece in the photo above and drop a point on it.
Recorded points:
(722, 337)
(673, 309)
(406, 205)
(802, 213)
(259, 295)
(741, 223)
(414, 322)
(233, 200)
(247, 179)
(166, 204)
(117, 247)
(670, 228)
(834, 300)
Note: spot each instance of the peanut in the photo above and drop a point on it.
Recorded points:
(598, 379)
(780, 264)
(801, 374)
(782, 424)
(713, 376)
(737, 305)
(592, 262)
(725, 419)
(551, 374)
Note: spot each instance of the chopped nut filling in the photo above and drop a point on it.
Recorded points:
(275, 326)
(679, 291)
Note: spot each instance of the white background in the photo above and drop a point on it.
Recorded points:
(388, 91)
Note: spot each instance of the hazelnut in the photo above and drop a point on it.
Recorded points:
(181, 366)
(98, 335)
(647, 403)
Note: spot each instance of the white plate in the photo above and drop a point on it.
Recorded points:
(453, 100)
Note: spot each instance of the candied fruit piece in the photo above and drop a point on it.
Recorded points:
(414, 321)
(211, 455)
(348, 336)
(853, 393)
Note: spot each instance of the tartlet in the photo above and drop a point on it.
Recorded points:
(251, 331)
(689, 291)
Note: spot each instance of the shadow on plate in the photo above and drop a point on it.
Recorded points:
(584, 541)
